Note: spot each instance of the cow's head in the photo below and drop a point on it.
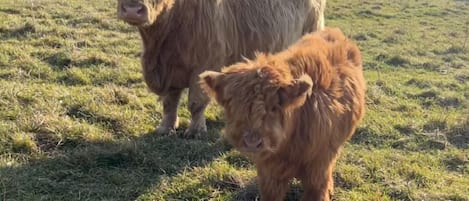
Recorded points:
(257, 100)
(141, 12)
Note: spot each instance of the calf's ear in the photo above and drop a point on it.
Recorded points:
(210, 83)
(295, 94)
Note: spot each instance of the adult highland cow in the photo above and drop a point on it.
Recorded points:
(182, 38)
(291, 112)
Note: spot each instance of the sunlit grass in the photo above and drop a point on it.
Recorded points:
(76, 118)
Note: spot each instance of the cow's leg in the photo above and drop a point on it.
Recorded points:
(272, 189)
(320, 23)
(198, 101)
(315, 20)
(169, 123)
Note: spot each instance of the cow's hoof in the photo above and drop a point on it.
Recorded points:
(195, 133)
(165, 131)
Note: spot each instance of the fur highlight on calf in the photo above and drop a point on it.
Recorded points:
(182, 38)
(292, 111)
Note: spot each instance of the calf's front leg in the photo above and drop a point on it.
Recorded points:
(272, 189)
(319, 184)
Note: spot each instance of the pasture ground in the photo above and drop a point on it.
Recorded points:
(76, 117)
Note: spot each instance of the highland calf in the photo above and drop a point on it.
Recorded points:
(291, 112)
(182, 38)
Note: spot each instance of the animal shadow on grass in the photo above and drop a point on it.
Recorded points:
(251, 192)
(121, 170)
(20, 33)
(238, 189)
(459, 136)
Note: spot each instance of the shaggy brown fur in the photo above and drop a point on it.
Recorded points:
(291, 112)
(182, 38)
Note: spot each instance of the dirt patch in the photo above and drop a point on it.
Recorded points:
(397, 61)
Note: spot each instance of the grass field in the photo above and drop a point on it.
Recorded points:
(76, 117)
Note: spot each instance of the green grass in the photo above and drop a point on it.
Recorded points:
(76, 117)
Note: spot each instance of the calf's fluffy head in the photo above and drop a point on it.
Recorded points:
(257, 97)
